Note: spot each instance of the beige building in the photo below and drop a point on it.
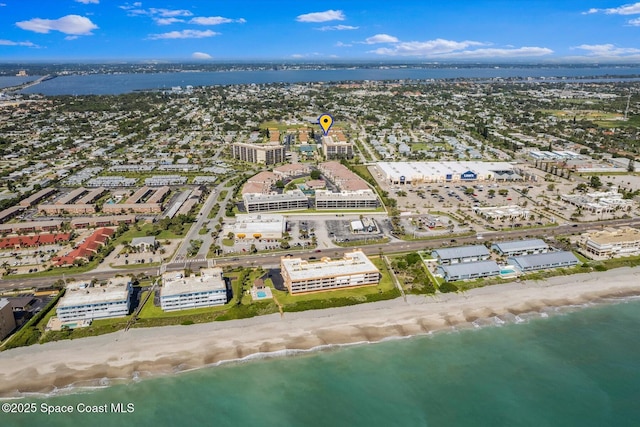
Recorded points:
(611, 243)
(7, 321)
(333, 148)
(180, 292)
(268, 154)
(355, 269)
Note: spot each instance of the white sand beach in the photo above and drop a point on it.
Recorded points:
(153, 351)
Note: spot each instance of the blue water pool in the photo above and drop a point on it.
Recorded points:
(261, 294)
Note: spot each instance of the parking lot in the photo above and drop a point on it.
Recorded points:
(28, 260)
(455, 202)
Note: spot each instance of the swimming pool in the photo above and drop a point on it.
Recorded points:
(261, 294)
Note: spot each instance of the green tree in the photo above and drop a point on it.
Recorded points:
(315, 174)
(595, 181)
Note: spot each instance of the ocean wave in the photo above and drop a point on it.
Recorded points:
(508, 318)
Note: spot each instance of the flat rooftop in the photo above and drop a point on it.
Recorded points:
(80, 293)
(175, 283)
(355, 262)
(618, 236)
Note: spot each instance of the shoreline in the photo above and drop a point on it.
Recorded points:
(146, 352)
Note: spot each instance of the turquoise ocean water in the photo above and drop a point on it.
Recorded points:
(579, 367)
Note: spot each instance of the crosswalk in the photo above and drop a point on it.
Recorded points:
(183, 259)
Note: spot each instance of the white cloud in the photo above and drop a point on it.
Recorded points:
(341, 44)
(608, 50)
(201, 55)
(451, 49)
(70, 24)
(215, 20)
(155, 13)
(337, 28)
(168, 13)
(167, 21)
(12, 43)
(327, 15)
(184, 34)
(128, 6)
(626, 9)
(88, 1)
(427, 48)
(487, 53)
(381, 38)
(306, 55)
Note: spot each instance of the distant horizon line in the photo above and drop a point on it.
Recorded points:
(189, 61)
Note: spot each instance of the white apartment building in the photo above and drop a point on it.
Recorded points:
(181, 293)
(355, 269)
(84, 302)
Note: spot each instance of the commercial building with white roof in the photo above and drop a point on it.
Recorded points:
(355, 269)
(83, 302)
(428, 172)
(180, 292)
(258, 226)
(500, 212)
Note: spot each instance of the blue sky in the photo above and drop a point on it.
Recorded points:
(414, 30)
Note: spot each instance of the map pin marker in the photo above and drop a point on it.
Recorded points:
(325, 121)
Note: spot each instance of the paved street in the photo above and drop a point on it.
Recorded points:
(273, 260)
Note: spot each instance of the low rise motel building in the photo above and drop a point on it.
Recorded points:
(181, 293)
(355, 269)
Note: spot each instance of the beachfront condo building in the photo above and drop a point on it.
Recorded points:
(611, 243)
(355, 269)
(181, 293)
(83, 302)
(7, 321)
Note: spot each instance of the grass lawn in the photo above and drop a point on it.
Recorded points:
(146, 230)
(634, 121)
(358, 294)
(150, 311)
(363, 242)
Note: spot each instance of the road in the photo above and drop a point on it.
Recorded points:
(26, 85)
(201, 219)
(273, 259)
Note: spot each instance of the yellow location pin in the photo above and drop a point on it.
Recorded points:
(325, 121)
